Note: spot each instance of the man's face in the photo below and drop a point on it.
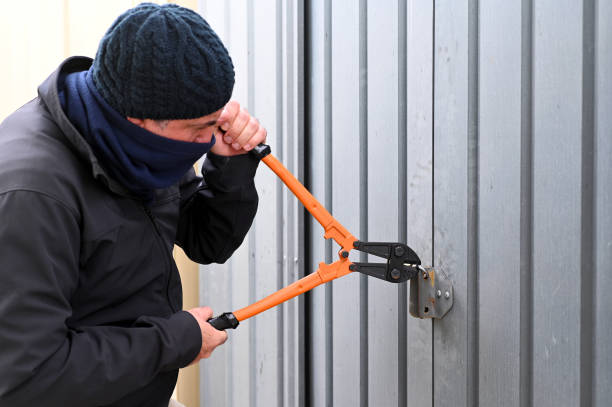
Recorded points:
(198, 130)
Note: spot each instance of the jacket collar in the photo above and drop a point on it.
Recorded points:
(48, 92)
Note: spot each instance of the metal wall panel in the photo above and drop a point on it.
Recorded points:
(346, 306)
(478, 131)
(454, 234)
(499, 154)
(383, 198)
(557, 151)
(419, 183)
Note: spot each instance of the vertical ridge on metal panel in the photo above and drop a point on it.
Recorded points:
(587, 250)
(288, 318)
(526, 221)
(299, 109)
(402, 202)
(473, 204)
(433, 188)
(363, 199)
(603, 203)
(279, 206)
(328, 153)
(308, 177)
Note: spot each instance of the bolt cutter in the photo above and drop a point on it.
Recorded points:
(402, 263)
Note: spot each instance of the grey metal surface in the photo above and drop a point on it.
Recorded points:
(478, 131)
(453, 339)
(602, 366)
(500, 202)
(557, 188)
(383, 205)
(346, 303)
(419, 208)
(319, 365)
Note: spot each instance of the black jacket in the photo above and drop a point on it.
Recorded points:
(90, 297)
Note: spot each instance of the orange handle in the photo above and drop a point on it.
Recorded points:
(325, 273)
(333, 228)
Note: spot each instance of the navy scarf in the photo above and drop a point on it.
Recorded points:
(140, 160)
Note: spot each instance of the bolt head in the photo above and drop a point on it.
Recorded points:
(439, 293)
(345, 254)
(395, 274)
(399, 251)
(447, 295)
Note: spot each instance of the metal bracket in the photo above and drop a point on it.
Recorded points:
(431, 294)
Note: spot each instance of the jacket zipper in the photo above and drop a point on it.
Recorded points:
(167, 255)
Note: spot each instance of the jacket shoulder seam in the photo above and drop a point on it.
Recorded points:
(74, 212)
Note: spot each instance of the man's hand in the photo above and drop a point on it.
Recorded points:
(211, 338)
(242, 131)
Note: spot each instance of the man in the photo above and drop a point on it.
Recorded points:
(96, 186)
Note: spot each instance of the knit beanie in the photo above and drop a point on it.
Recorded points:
(163, 62)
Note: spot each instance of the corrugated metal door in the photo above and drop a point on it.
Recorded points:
(477, 131)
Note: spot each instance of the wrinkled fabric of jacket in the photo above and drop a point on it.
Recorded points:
(90, 296)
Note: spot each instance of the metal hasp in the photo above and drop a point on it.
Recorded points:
(431, 294)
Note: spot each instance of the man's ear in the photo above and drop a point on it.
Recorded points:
(137, 122)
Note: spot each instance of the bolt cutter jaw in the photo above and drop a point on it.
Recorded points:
(402, 262)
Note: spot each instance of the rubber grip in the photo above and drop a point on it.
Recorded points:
(224, 321)
(260, 151)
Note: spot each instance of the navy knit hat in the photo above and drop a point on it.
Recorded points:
(163, 62)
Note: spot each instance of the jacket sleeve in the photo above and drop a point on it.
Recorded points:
(218, 209)
(42, 360)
